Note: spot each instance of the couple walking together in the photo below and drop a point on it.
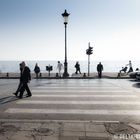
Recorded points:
(25, 78)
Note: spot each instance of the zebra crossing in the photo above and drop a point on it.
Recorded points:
(80, 100)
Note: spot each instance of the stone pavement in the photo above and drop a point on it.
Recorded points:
(67, 130)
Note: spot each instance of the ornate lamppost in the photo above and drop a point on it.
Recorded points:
(65, 16)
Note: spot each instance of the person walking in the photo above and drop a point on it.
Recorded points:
(37, 70)
(130, 66)
(25, 79)
(20, 83)
(99, 70)
(77, 66)
(59, 67)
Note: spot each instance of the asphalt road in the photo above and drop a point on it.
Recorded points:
(73, 99)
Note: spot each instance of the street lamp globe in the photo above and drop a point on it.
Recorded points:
(65, 16)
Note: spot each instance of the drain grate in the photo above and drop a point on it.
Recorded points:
(8, 128)
(119, 128)
(44, 132)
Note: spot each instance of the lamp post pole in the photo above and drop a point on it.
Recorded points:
(65, 63)
(65, 16)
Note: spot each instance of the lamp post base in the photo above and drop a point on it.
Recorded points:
(65, 75)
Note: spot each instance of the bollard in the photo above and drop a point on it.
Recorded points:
(84, 75)
(57, 75)
(119, 75)
(7, 74)
(40, 75)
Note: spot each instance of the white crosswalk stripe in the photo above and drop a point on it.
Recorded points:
(80, 91)
(75, 87)
(74, 111)
(80, 102)
(79, 96)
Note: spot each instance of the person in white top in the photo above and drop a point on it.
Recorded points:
(59, 67)
(130, 66)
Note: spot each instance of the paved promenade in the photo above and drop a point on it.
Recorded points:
(71, 109)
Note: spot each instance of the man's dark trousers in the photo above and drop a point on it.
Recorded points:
(23, 88)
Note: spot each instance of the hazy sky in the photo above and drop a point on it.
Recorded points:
(34, 29)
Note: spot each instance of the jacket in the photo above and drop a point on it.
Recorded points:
(25, 75)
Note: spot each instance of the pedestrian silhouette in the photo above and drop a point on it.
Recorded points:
(77, 66)
(130, 66)
(124, 69)
(99, 70)
(59, 67)
(25, 79)
(37, 70)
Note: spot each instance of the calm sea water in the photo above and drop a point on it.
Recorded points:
(109, 66)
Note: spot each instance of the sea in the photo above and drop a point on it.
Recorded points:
(109, 66)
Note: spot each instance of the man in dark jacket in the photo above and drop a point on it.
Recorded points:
(77, 66)
(100, 69)
(25, 79)
(37, 70)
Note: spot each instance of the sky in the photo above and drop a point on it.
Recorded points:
(34, 29)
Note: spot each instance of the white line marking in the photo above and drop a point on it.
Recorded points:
(56, 121)
(75, 87)
(92, 91)
(73, 111)
(79, 96)
(79, 102)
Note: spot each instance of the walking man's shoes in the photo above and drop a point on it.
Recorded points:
(28, 95)
(15, 94)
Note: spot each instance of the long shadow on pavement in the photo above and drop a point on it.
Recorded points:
(133, 80)
(8, 99)
(137, 85)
